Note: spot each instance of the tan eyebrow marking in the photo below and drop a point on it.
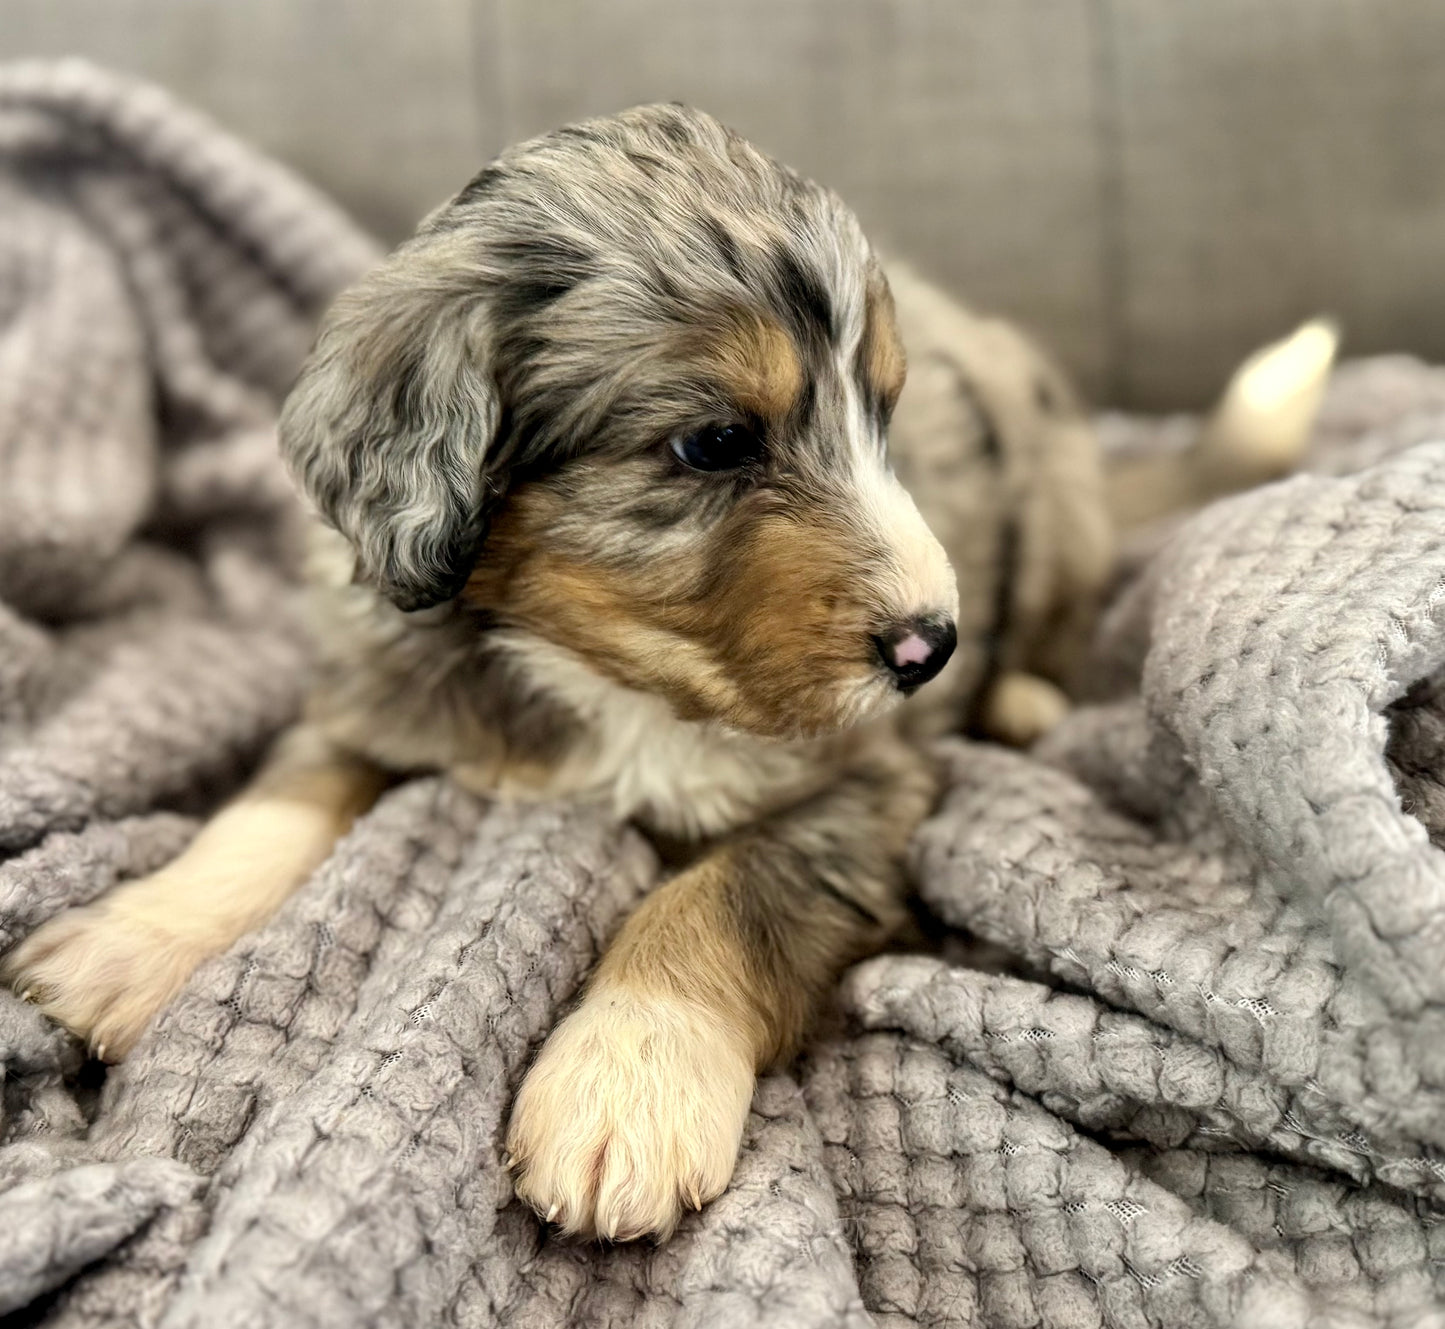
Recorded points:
(880, 355)
(758, 364)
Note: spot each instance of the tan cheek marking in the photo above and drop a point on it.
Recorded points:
(787, 623)
(606, 617)
(614, 625)
(766, 649)
(884, 364)
(758, 366)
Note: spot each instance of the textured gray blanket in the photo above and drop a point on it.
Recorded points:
(1178, 1059)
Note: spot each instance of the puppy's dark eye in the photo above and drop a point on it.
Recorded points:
(718, 447)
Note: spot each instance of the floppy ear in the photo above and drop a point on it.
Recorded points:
(388, 427)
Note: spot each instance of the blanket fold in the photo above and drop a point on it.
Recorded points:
(1179, 1060)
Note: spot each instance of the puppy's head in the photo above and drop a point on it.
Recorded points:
(628, 393)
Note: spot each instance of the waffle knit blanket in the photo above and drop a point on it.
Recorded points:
(1178, 1058)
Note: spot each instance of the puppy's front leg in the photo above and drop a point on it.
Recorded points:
(636, 1103)
(106, 969)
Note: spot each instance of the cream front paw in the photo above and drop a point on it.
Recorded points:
(634, 1108)
(102, 972)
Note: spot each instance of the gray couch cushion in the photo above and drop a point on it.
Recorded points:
(1153, 188)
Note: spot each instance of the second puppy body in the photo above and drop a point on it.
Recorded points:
(612, 510)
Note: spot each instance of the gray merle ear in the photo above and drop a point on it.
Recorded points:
(389, 425)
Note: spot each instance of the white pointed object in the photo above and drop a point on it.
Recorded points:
(1259, 430)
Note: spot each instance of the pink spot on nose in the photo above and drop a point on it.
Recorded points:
(911, 650)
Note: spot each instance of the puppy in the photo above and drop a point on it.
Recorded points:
(611, 510)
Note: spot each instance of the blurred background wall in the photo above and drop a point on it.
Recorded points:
(1154, 187)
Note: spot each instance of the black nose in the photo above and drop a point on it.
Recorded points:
(916, 650)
